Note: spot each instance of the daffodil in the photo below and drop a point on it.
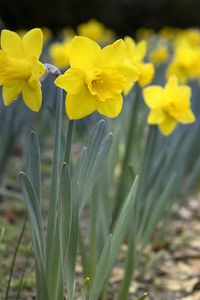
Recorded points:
(96, 31)
(169, 105)
(169, 33)
(96, 79)
(190, 36)
(185, 64)
(135, 56)
(59, 53)
(159, 55)
(20, 68)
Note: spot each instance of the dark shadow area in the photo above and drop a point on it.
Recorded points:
(124, 16)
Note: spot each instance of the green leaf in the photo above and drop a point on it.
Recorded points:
(65, 212)
(2, 234)
(96, 168)
(102, 271)
(121, 225)
(37, 229)
(72, 250)
(129, 264)
(88, 156)
(91, 162)
(52, 230)
(35, 216)
(33, 164)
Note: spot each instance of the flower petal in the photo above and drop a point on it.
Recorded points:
(83, 52)
(33, 43)
(147, 73)
(11, 91)
(141, 49)
(185, 117)
(37, 70)
(128, 87)
(129, 71)
(135, 52)
(153, 96)
(188, 117)
(111, 108)
(71, 81)
(156, 116)
(168, 126)
(80, 105)
(32, 95)
(113, 55)
(11, 43)
(171, 83)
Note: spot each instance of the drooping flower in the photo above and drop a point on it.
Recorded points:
(169, 105)
(135, 56)
(20, 68)
(96, 79)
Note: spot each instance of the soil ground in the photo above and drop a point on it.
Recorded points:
(173, 272)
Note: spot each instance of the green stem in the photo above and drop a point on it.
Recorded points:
(142, 183)
(129, 144)
(68, 145)
(129, 267)
(86, 292)
(15, 256)
(52, 216)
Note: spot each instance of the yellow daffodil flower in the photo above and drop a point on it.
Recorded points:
(169, 105)
(47, 34)
(186, 63)
(59, 53)
(20, 68)
(190, 36)
(169, 33)
(159, 55)
(96, 79)
(95, 31)
(135, 56)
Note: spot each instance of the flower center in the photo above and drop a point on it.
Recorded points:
(170, 107)
(13, 68)
(106, 84)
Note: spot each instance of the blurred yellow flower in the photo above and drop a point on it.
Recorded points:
(159, 55)
(68, 32)
(96, 79)
(186, 63)
(95, 31)
(135, 56)
(145, 33)
(20, 68)
(169, 33)
(190, 36)
(169, 105)
(59, 53)
(47, 34)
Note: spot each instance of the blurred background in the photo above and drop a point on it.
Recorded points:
(124, 16)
